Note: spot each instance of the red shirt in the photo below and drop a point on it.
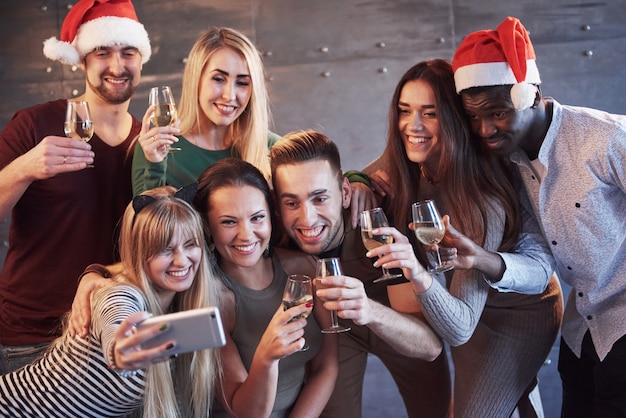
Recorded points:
(58, 227)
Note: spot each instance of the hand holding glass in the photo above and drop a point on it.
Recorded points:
(370, 220)
(299, 291)
(429, 229)
(78, 123)
(330, 267)
(164, 113)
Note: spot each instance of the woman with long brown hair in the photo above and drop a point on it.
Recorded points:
(499, 340)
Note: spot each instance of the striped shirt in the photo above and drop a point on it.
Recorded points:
(73, 378)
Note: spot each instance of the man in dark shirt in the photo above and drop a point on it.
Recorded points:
(63, 215)
(313, 200)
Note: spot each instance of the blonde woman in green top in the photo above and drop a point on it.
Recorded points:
(223, 112)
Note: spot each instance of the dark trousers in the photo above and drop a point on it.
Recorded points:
(14, 357)
(593, 388)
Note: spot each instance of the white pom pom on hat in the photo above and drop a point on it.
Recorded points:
(91, 24)
(499, 57)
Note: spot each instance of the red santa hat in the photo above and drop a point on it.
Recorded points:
(97, 23)
(499, 57)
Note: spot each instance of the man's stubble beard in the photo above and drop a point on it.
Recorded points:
(111, 97)
(326, 245)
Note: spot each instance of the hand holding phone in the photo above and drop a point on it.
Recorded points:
(191, 330)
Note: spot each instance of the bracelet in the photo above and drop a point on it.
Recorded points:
(100, 269)
(126, 374)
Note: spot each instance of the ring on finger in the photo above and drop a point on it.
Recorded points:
(64, 159)
(153, 138)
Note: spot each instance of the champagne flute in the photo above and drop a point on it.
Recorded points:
(330, 267)
(370, 220)
(78, 123)
(298, 291)
(429, 229)
(164, 113)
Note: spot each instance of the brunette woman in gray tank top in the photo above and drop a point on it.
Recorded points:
(263, 368)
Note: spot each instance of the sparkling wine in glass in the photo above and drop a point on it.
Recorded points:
(330, 267)
(78, 123)
(299, 291)
(370, 220)
(164, 113)
(429, 229)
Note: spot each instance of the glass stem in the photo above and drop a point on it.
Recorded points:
(334, 319)
(439, 264)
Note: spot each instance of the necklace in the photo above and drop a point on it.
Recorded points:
(426, 176)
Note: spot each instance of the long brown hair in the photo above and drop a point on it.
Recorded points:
(468, 176)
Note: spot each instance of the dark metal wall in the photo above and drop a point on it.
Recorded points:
(332, 64)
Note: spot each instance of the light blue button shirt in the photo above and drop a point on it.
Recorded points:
(581, 203)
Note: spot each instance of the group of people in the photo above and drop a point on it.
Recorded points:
(533, 192)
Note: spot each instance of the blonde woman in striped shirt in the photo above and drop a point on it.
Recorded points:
(164, 268)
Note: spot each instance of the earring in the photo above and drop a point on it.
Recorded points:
(211, 245)
(266, 252)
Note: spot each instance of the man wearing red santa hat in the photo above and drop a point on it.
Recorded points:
(572, 161)
(63, 215)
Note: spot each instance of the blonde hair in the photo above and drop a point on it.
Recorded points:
(250, 131)
(189, 390)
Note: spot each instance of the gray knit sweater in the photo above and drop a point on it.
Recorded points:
(499, 340)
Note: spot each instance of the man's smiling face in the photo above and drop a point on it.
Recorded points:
(311, 199)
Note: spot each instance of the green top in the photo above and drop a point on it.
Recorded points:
(179, 168)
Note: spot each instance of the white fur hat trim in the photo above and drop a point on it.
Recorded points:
(101, 32)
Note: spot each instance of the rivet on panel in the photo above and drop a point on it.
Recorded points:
(441, 40)
(51, 93)
(44, 8)
(48, 69)
(267, 53)
(271, 78)
(75, 92)
(326, 74)
(69, 6)
(381, 45)
(588, 53)
(74, 68)
(184, 60)
(585, 28)
(324, 49)
(382, 70)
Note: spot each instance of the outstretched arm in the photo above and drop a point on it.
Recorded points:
(452, 314)
(408, 334)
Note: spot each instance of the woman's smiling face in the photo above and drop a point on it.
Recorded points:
(418, 122)
(174, 268)
(241, 232)
(225, 87)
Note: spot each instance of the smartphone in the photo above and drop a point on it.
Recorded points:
(194, 329)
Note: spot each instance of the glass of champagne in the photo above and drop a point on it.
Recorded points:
(429, 229)
(164, 113)
(370, 220)
(78, 123)
(299, 291)
(330, 267)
